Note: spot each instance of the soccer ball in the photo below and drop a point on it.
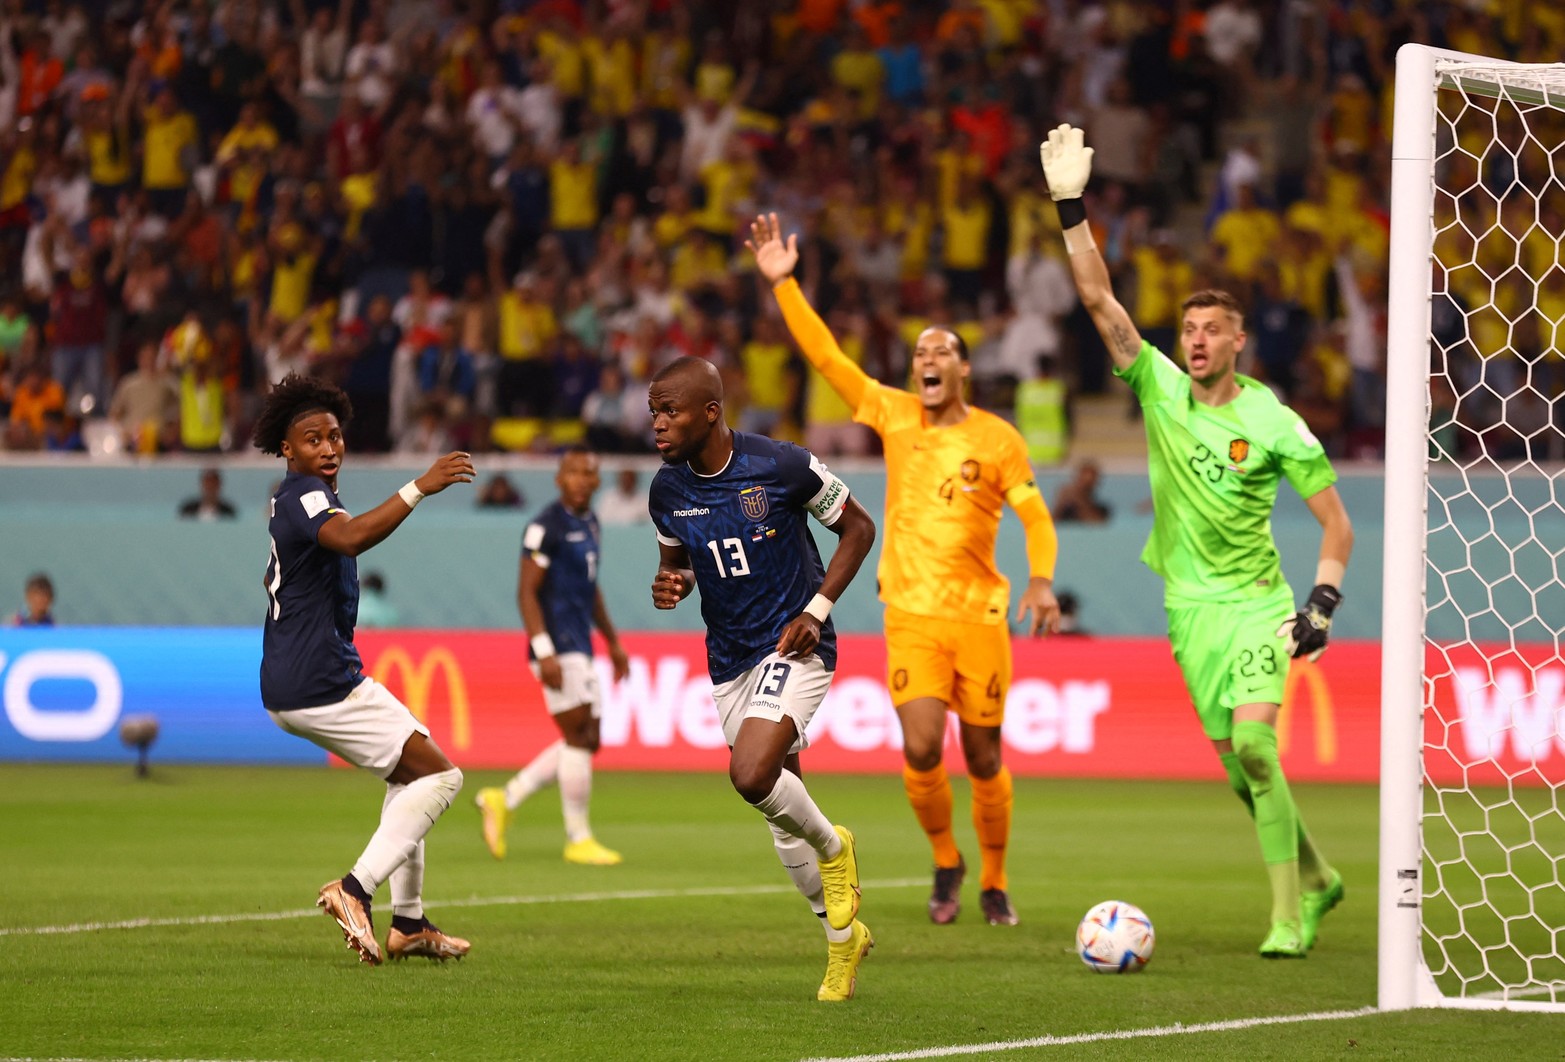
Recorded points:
(1115, 937)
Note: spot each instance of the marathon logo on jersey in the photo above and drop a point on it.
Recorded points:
(753, 501)
(1238, 450)
(698, 511)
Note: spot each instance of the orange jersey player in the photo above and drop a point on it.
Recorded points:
(949, 468)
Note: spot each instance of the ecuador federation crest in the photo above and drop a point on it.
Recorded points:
(753, 501)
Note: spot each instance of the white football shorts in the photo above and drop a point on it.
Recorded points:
(367, 728)
(578, 685)
(776, 687)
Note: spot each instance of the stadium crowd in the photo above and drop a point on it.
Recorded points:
(491, 223)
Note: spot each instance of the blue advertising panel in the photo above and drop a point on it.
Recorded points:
(65, 690)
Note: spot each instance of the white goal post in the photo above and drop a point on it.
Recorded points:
(1472, 779)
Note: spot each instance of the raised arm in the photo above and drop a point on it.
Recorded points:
(776, 260)
(352, 535)
(1067, 163)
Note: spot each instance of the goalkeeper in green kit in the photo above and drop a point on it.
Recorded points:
(1218, 445)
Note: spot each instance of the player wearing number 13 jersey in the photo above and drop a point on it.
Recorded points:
(950, 468)
(731, 513)
(1219, 444)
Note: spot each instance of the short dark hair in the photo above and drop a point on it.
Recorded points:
(40, 581)
(292, 398)
(1210, 297)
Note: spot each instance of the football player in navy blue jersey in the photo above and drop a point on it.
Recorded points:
(731, 511)
(558, 596)
(312, 681)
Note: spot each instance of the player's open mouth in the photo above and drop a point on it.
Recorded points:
(929, 385)
(1198, 361)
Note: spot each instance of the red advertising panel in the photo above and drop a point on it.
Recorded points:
(1085, 707)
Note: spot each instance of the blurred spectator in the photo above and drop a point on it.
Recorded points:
(14, 324)
(145, 406)
(447, 374)
(79, 314)
(1077, 500)
(38, 603)
(428, 433)
(370, 345)
(617, 420)
(210, 503)
(170, 150)
(626, 503)
(203, 408)
(375, 609)
(36, 393)
(498, 492)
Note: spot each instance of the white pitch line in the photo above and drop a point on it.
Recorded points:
(1098, 1037)
(472, 901)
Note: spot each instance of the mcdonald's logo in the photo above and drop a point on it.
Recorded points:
(1308, 675)
(415, 680)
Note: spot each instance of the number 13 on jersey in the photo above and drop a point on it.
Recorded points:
(729, 557)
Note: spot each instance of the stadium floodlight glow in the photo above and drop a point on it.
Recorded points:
(1472, 797)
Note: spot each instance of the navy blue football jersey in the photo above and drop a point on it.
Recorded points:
(312, 603)
(749, 541)
(565, 545)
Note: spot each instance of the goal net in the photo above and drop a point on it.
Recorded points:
(1472, 874)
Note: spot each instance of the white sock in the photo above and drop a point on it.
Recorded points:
(798, 859)
(541, 772)
(790, 808)
(575, 790)
(404, 820)
(407, 881)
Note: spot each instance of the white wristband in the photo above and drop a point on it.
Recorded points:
(543, 646)
(1330, 573)
(819, 607)
(1079, 240)
(410, 493)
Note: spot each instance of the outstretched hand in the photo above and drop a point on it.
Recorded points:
(1067, 162)
(455, 467)
(774, 257)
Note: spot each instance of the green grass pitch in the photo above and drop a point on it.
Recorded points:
(695, 948)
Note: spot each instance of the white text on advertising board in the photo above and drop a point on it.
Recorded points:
(661, 701)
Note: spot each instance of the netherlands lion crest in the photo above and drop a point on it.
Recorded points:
(1238, 450)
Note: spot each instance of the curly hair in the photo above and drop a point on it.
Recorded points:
(292, 398)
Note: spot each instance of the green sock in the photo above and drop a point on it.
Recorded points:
(1276, 818)
(1237, 780)
(1314, 871)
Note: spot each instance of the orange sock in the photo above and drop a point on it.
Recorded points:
(992, 802)
(930, 794)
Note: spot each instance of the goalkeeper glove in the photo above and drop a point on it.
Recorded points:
(1306, 632)
(1067, 162)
